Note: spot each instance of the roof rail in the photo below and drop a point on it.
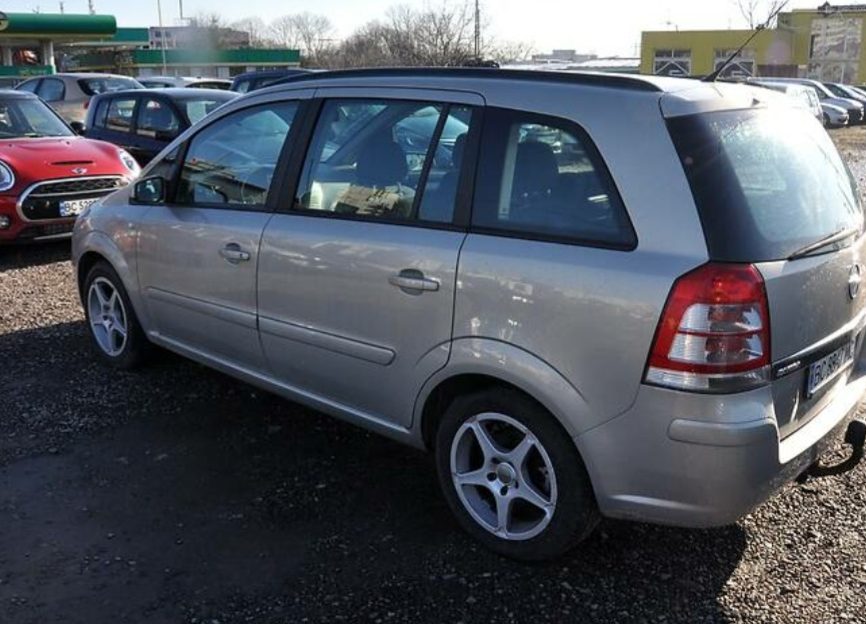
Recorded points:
(581, 78)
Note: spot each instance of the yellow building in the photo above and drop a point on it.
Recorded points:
(826, 43)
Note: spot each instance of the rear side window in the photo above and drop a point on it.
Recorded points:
(541, 177)
(95, 86)
(29, 86)
(119, 115)
(51, 90)
(385, 160)
(766, 182)
(157, 120)
(232, 161)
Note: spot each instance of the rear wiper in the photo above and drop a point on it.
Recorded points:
(828, 240)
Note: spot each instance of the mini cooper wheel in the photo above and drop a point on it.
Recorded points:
(114, 329)
(513, 477)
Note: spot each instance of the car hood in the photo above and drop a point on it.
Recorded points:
(34, 159)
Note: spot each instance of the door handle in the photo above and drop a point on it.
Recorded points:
(234, 254)
(414, 280)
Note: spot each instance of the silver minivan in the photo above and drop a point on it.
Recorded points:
(588, 295)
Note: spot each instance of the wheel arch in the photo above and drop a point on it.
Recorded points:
(483, 363)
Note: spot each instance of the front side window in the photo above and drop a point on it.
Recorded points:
(232, 161)
(119, 115)
(370, 158)
(51, 90)
(157, 120)
(542, 177)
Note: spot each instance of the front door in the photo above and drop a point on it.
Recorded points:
(357, 278)
(199, 252)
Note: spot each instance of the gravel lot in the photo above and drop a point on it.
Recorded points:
(176, 494)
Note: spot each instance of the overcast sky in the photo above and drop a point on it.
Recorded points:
(600, 26)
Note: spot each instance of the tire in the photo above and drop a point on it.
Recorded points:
(556, 508)
(115, 333)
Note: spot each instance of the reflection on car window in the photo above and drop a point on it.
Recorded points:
(367, 158)
(29, 117)
(232, 161)
(51, 90)
(196, 110)
(540, 179)
(119, 116)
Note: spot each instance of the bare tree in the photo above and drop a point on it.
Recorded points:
(508, 51)
(260, 33)
(756, 12)
(310, 33)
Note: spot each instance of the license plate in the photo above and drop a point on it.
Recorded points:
(74, 207)
(829, 367)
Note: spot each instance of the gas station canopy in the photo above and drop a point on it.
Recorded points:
(40, 31)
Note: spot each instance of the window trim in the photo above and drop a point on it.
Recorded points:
(495, 119)
(463, 198)
(276, 184)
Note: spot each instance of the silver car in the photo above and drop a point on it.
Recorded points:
(69, 94)
(577, 323)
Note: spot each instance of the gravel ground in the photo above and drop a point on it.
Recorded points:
(176, 494)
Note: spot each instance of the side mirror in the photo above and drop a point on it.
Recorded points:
(77, 127)
(149, 190)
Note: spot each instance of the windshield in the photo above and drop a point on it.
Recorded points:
(766, 182)
(105, 84)
(22, 117)
(198, 109)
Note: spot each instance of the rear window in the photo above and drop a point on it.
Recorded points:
(196, 110)
(766, 182)
(94, 86)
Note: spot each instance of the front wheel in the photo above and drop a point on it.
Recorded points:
(513, 477)
(115, 332)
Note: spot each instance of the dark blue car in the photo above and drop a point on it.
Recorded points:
(144, 121)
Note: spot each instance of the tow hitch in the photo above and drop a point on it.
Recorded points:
(855, 435)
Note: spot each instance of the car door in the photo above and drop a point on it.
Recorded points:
(117, 124)
(198, 253)
(157, 124)
(357, 272)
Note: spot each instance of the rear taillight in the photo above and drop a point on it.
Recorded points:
(714, 333)
(86, 104)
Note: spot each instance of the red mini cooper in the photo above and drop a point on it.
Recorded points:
(48, 174)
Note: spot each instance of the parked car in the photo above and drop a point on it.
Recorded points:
(801, 96)
(531, 317)
(144, 121)
(251, 81)
(846, 91)
(69, 94)
(855, 108)
(834, 116)
(166, 82)
(48, 175)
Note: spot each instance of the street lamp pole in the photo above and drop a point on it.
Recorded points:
(161, 36)
(477, 29)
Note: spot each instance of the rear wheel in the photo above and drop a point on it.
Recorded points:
(513, 477)
(115, 332)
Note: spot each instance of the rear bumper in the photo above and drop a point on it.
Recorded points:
(710, 463)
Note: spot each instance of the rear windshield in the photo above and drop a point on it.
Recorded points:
(94, 86)
(766, 182)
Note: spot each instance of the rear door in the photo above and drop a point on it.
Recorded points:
(357, 274)
(773, 191)
(198, 253)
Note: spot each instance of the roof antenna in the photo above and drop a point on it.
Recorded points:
(713, 76)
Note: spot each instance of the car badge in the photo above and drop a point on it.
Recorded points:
(855, 277)
(79, 171)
